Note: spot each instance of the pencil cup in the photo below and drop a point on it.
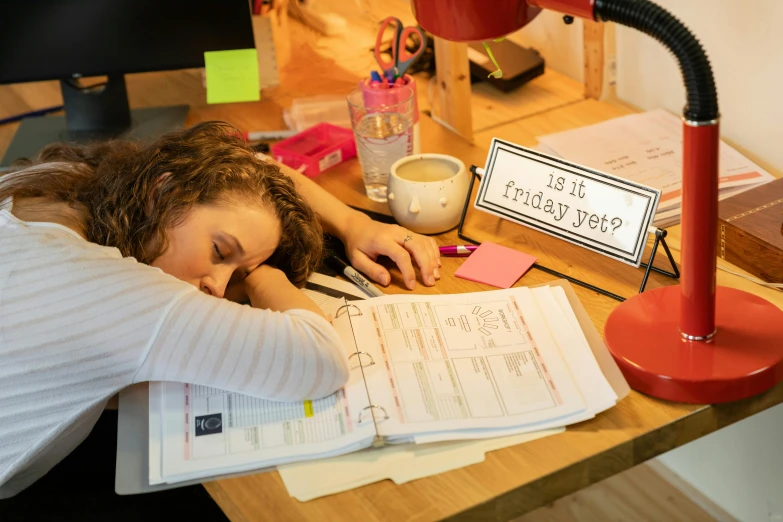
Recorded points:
(382, 122)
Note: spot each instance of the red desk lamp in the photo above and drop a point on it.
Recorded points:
(692, 342)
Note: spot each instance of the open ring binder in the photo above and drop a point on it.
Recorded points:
(371, 406)
(378, 440)
(345, 307)
(372, 361)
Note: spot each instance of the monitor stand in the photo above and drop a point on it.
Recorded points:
(93, 114)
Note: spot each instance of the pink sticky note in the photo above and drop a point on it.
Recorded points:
(495, 265)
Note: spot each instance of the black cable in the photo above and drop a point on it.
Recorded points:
(653, 20)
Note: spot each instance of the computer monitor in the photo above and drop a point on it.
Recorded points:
(68, 40)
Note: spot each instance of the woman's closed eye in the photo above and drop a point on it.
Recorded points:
(218, 252)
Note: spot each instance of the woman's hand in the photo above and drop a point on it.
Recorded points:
(366, 239)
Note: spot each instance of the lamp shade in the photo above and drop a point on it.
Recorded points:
(472, 20)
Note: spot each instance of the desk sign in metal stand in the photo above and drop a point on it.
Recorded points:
(588, 208)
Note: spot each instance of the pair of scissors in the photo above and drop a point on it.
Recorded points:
(401, 58)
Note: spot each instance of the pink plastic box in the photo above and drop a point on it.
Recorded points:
(316, 149)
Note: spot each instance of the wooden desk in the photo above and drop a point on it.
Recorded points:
(515, 480)
(511, 481)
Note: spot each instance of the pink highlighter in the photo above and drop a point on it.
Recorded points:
(457, 250)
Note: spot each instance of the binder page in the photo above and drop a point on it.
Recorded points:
(207, 430)
(597, 391)
(575, 350)
(155, 460)
(464, 361)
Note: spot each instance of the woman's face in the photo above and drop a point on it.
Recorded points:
(215, 243)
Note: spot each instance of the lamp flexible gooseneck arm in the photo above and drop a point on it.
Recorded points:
(701, 139)
(653, 20)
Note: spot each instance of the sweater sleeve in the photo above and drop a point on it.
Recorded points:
(288, 356)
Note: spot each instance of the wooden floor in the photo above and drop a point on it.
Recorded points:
(640, 494)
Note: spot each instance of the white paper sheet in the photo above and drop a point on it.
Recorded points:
(155, 433)
(647, 148)
(561, 322)
(459, 362)
(309, 480)
(575, 350)
(233, 432)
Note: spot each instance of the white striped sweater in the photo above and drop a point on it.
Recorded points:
(78, 323)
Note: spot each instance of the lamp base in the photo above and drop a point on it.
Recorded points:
(744, 358)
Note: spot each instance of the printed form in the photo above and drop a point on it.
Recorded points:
(203, 425)
(563, 326)
(460, 365)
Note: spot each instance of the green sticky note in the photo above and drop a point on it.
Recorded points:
(232, 76)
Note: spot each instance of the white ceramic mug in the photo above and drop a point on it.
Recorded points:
(426, 192)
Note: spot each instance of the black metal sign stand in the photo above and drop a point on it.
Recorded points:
(660, 239)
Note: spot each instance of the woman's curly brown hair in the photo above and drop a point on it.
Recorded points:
(129, 204)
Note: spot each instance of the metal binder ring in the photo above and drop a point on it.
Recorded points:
(372, 361)
(385, 415)
(345, 307)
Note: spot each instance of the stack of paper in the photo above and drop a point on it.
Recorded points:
(433, 369)
(399, 463)
(647, 148)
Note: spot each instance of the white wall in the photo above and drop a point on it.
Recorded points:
(559, 44)
(740, 467)
(744, 42)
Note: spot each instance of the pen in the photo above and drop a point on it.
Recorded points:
(270, 135)
(457, 250)
(341, 267)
